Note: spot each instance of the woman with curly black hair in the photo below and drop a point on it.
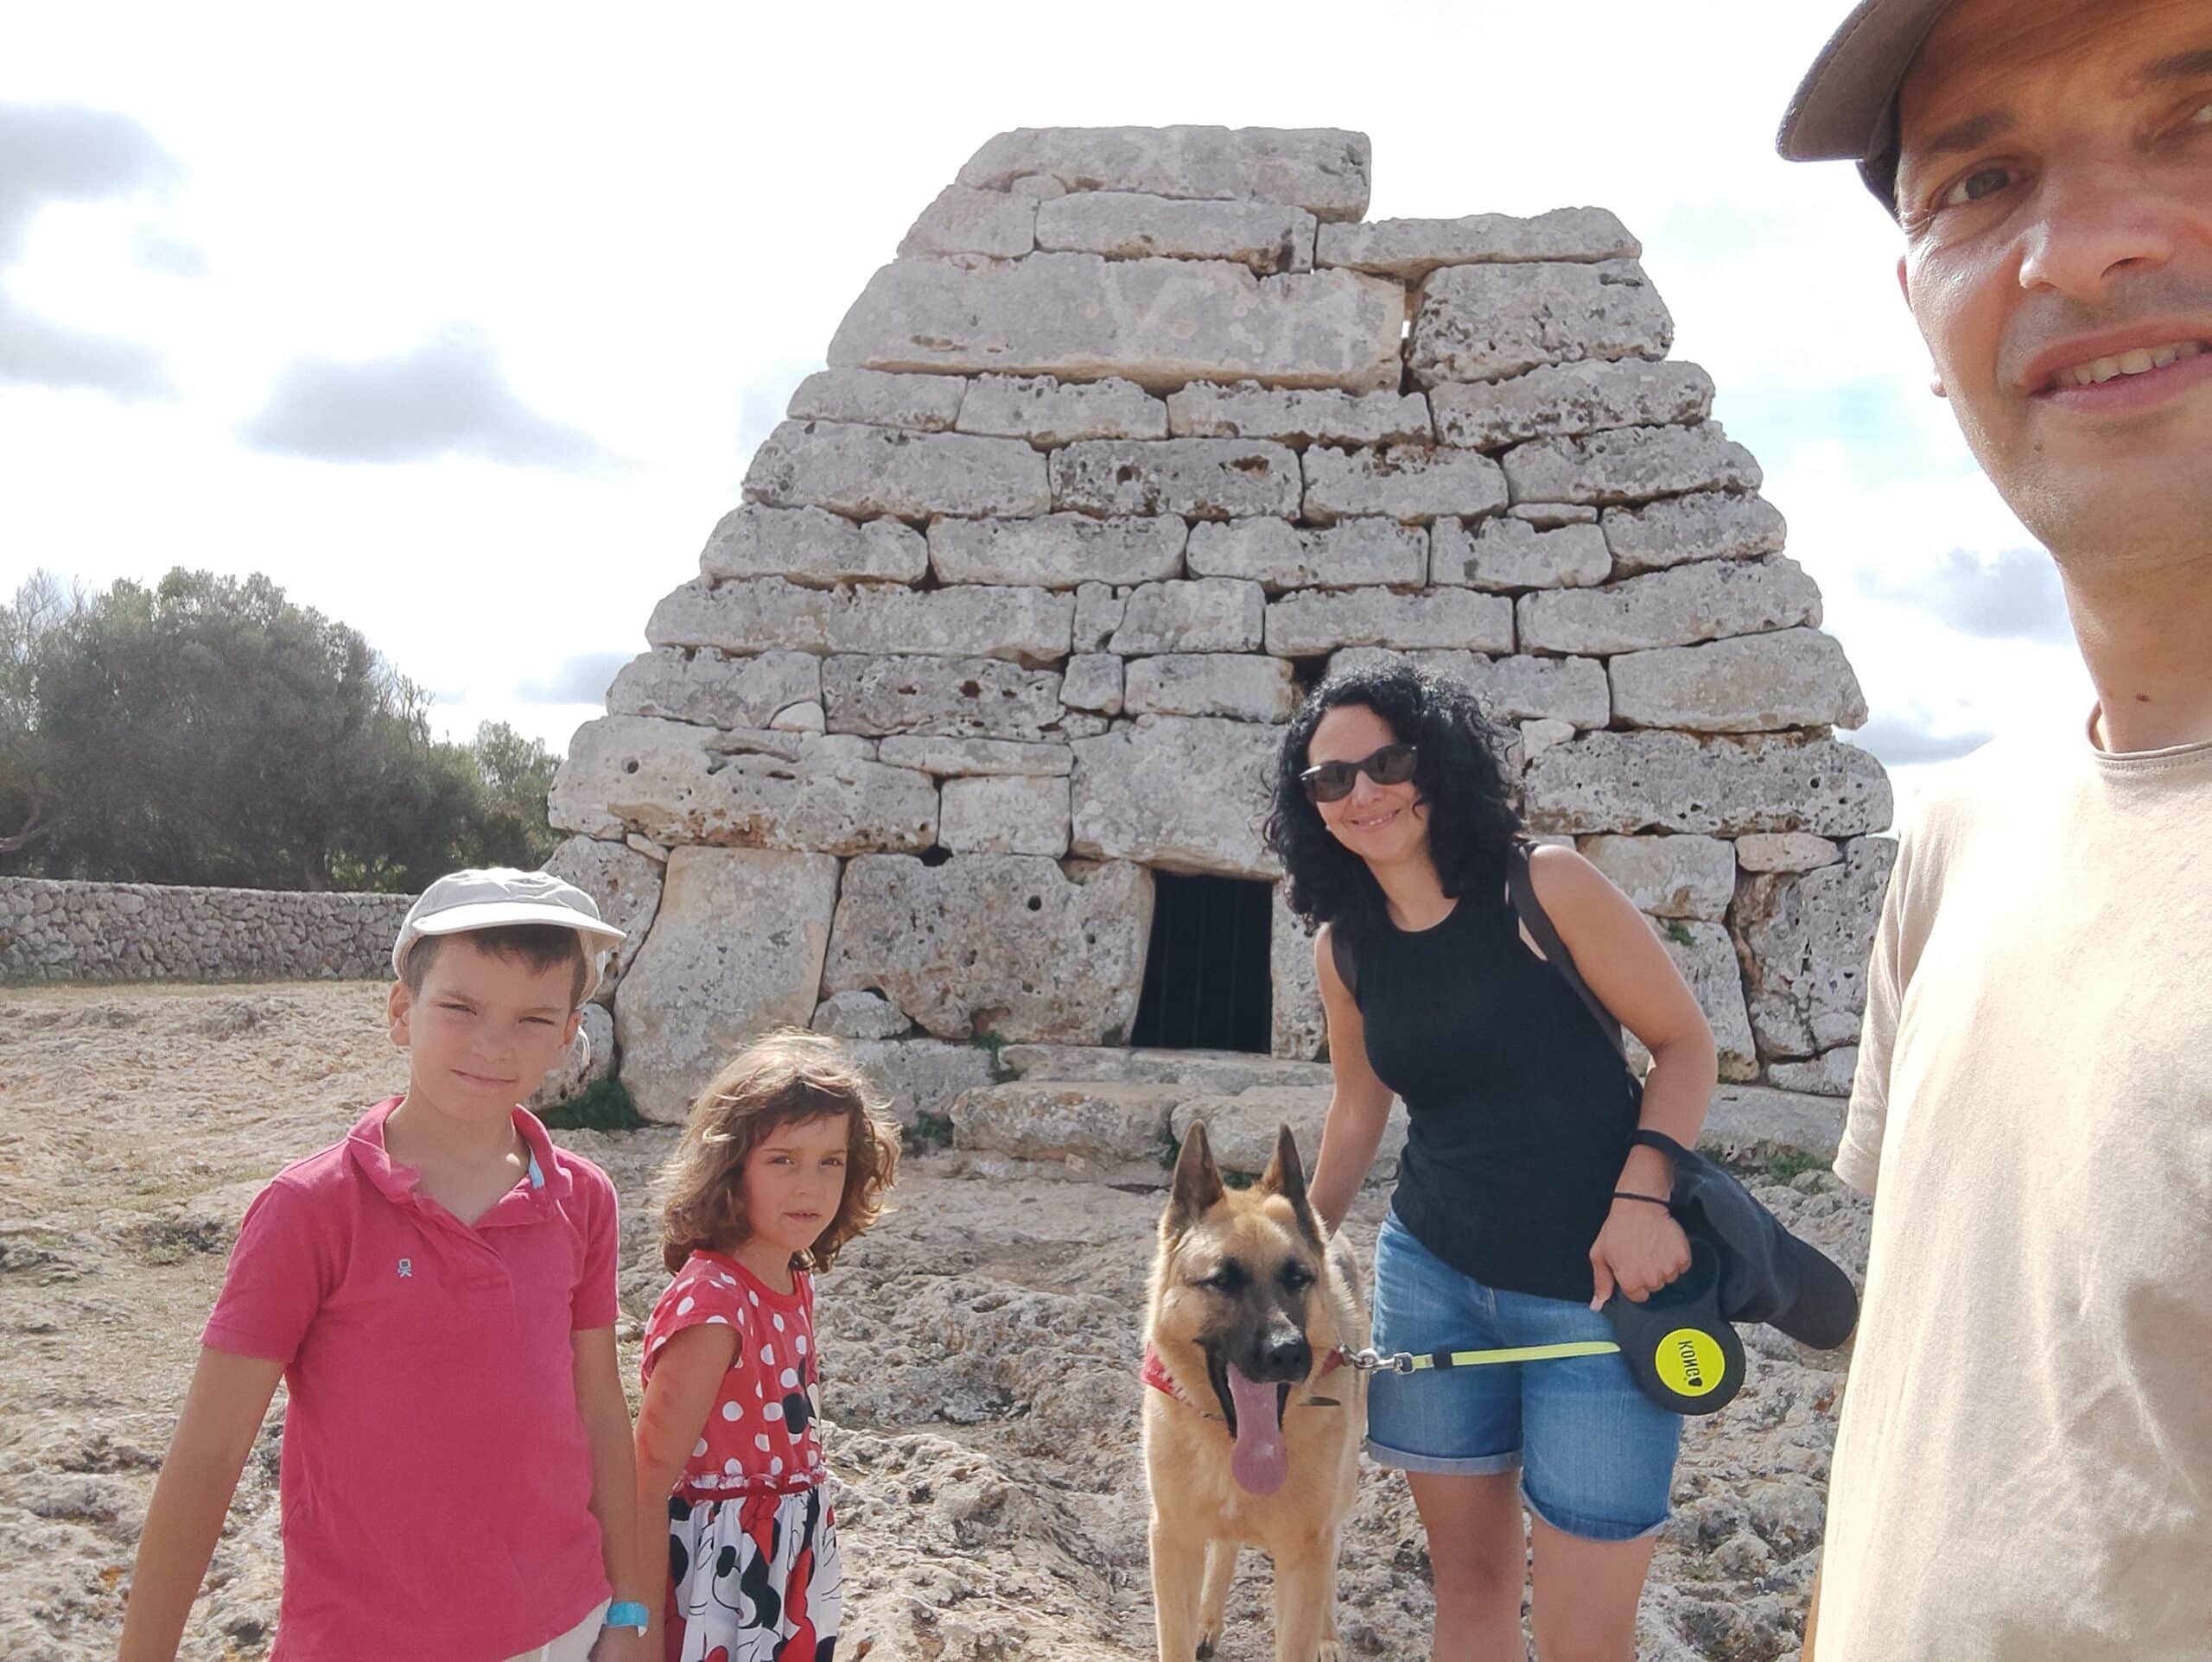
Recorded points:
(1520, 1205)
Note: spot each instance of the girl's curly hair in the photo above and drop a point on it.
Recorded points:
(784, 1078)
(1460, 774)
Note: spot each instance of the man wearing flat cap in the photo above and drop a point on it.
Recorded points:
(2023, 1466)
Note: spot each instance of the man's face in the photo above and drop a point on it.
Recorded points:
(2055, 190)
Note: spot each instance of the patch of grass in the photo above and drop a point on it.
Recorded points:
(1792, 1164)
(603, 1105)
(1171, 1147)
(929, 1131)
(1679, 932)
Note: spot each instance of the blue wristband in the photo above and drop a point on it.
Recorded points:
(628, 1614)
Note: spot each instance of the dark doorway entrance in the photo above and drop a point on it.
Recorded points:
(1206, 976)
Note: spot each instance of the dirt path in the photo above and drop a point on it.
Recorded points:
(978, 1351)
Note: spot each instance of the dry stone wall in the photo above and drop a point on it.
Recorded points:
(1142, 433)
(61, 931)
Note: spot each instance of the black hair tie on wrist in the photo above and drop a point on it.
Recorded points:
(1629, 1194)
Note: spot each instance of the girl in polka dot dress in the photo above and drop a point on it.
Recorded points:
(785, 1158)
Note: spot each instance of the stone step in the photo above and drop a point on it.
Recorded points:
(1126, 1130)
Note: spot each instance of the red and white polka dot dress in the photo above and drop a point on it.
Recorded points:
(755, 1573)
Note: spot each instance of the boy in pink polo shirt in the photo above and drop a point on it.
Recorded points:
(437, 1290)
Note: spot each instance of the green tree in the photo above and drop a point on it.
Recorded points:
(208, 730)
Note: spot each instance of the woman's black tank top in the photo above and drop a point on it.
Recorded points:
(1519, 1108)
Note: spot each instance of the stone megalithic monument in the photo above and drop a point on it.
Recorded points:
(959, 743)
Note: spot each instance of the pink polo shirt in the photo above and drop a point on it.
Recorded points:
(437, 1481)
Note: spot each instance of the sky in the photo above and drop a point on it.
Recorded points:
(462, 322)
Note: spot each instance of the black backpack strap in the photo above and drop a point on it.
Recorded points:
(1523, 894)
(1340, 954)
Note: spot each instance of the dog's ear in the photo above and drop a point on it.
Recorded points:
(1197, 1185)
(1285, 1175)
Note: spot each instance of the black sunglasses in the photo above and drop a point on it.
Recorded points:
(1332, 782)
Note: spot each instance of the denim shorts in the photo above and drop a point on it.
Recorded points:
(1596, 1456)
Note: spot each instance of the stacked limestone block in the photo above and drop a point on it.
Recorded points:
(1143, 432)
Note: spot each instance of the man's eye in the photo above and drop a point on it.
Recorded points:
(1983, 183)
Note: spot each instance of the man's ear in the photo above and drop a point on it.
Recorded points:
(1905, 289)
(398, 1009)
(576, 1020)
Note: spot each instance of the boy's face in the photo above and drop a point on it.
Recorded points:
(794, 1180)
(485, 1029)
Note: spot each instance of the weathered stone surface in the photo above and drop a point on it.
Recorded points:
(860, 1016)
(866, 471)
(1240, 687)
(1668, 877)
(996, 943)
(1516, 688)
(759, 614)
(921, 1075)
(813, 546)
(1756, 684)
(678, 783)
(925, 403)
(697, 684)
(624, 885)
(1185, 793)
(655, 852)
(1564, 399)
(1362, 552)
(1662, 781)
(1485, 322)
(1269, 237)
(801, 718)
(947, 758)
(1630, 464)
(1097, 614)
(1785, 851)
(1048, 413)
(1751, 1122)
(962, 220)
(1213, 614)
(1676, 607)
(1828, 1074)
(1706, 958)
(1322, 415)
(1324, 170)
(1217, 1073)
(1241, 1129)
(1298, 1026)
(1057, 550)
(1412, 482)
(1205, 478)
(1409, 249)
(1704, 525)
(737, 948)
(1301, 625)
(1540, 734)
(1806, 940)
(1093, 682)
(1550, 516)
(955, 698)
(589, 1059)
(1112, 1123)
(1505, 555)
(1160, 323)
(1005, 814)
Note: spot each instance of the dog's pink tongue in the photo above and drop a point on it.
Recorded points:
(1260, 1460)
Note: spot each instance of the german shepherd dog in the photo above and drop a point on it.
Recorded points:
(1252, 1425)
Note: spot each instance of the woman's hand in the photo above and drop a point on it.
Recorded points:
(1640, 1250)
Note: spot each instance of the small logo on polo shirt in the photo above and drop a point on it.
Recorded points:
(406, 1268)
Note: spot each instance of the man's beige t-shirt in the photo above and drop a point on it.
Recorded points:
(2024, 1468)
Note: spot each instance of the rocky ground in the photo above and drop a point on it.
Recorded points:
(980, 1374)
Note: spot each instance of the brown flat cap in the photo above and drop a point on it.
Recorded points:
(1845, 110)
